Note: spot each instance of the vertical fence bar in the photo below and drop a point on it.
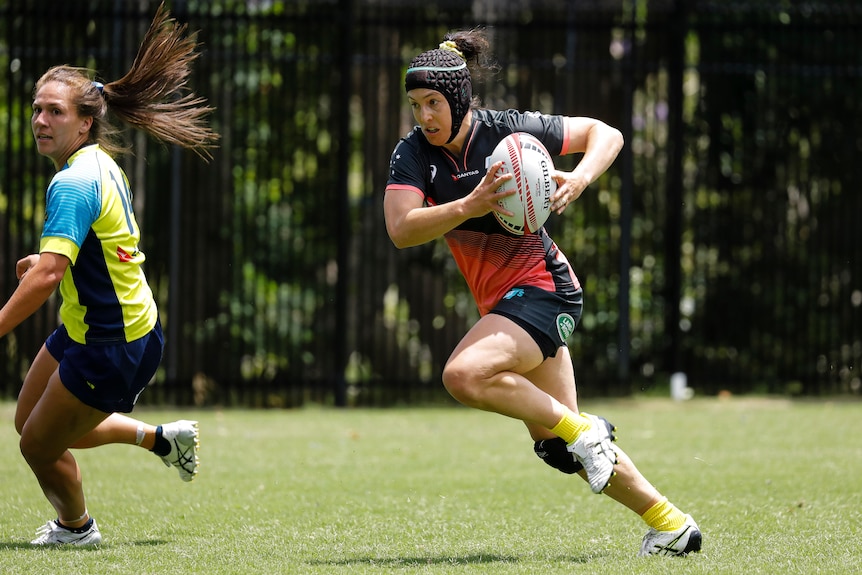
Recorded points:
(626, 191)
(673, 228)
(174, 270)
(343, 211)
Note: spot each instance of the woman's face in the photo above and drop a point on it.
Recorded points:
(432, 112)
(57, 128)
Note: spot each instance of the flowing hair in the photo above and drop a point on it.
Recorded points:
(152, 97)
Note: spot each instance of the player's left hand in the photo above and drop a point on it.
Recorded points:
(570, 186)
(24, 265)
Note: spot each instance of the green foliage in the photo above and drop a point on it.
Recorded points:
(284, 252)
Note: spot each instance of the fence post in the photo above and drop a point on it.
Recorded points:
(673, 241)
(627, 184)
(343, 213)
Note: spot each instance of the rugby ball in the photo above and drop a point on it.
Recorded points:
(524, 156)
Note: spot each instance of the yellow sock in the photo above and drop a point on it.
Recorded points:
(664, 516)
(571, 426)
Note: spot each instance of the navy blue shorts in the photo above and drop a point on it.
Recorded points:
(549, 318)
(107, 377)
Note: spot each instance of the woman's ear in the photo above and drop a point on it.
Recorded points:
(86, 124)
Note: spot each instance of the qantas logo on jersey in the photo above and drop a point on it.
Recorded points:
(456, 177)
(125, 256)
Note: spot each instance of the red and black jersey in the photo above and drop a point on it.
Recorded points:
(491, 259)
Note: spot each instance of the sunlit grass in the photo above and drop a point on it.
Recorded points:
(773, 484)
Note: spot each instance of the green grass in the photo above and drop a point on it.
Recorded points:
(775, 485)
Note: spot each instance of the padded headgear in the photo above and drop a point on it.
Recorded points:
(442, 69)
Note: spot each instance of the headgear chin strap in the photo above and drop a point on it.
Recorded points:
(445, 71)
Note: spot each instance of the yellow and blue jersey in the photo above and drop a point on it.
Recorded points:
(89, 219)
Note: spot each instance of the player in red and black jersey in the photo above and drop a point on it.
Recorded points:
(514, 361)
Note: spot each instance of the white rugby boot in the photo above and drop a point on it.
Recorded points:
(594, 452)
(183, 437)
(687, 539)
(52, 533)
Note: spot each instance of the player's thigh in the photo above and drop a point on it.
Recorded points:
(56, 422)
(493, 345)
(35, 382)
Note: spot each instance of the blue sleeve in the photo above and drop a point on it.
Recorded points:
(71, 207)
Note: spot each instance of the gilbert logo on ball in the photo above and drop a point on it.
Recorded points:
(524, 156)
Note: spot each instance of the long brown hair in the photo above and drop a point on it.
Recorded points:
(152, 96)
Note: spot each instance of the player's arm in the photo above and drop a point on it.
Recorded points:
(409, 222)
(600, 144)
(39, 276)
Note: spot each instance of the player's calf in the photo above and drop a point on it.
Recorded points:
(555, 453)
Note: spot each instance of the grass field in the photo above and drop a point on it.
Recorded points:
(775, 485)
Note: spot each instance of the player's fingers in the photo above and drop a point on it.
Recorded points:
(494, 178)
(492, 170)
(559, 203)
(501, 210)
(503, 193)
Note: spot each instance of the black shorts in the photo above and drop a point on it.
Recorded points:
(107, 377)
(549, 318)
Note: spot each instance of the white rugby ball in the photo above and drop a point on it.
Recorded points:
(524, 156)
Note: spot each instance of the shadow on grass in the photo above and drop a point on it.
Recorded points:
(475, 559)
(8, 545)
(52, 548)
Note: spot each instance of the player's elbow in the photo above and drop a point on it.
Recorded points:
(398, 244)
(619, 140)
(616, 140)
(400, 232)
(395, 235)
(399, 240)
(48, 281)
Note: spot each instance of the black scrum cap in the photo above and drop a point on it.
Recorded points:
(443, 69)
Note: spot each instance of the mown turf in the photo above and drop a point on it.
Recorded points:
(774, 484)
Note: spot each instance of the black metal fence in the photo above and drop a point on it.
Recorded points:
(723, 243)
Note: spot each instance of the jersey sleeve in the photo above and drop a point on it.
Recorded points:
(406, 169)
(549, 129)
(71, 207)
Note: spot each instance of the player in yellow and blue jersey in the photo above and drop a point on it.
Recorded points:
(93, 367)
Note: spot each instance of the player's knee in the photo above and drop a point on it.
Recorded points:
(30, 450)
(461, 384)
(554, 453)
(19, 424)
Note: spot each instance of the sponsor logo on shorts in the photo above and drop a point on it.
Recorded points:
(565, 326)
(515, 292)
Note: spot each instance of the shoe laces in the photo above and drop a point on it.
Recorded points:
(185, 458)
(44, 531)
